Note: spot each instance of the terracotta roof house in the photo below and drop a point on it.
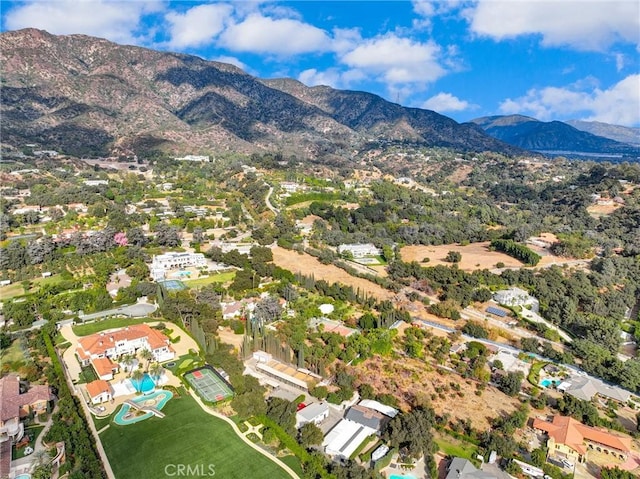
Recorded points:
(128, 340)
(99, 391)
(15, 405)
(105, 368)
(571, 439)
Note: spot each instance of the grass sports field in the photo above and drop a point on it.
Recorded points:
(186, 435)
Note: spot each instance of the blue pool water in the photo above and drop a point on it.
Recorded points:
(24, 476)
(157, 400)
(545, 383)
(402, 476)
(145, 385)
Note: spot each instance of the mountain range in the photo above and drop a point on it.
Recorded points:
(87, 96)
(556, 136)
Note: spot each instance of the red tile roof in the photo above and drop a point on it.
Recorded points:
(98, 343)
(103, 366)
(97, 387)
(566, 430)
(11, 400)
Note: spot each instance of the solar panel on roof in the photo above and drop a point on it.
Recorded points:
(498, 312)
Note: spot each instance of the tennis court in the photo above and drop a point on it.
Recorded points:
(173, 285)
(208, 385)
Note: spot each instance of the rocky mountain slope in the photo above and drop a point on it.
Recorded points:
(88, 96)
(532, 134)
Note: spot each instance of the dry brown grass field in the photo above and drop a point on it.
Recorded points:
(307, 264)
(474, 256)
(408, 379)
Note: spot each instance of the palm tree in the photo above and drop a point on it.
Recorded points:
(156, 371)
(147, 355)
(137, 377)
(127, 360)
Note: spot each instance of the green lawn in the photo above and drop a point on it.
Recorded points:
(215, 278)
(33, 432)
(13, 353)
(294, 463)
(97, 326)
(15, 289)
(455, 448)
(186, 435)
(534, 372)
(87, 375)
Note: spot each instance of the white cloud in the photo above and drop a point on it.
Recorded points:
(232, 61)
(397, 60)
(333, 77)
(584, 25)
(620, 61)
(446, 102)
(198, 25)
(116, 21)
(313, 77)
(284, 36)
(618, 105)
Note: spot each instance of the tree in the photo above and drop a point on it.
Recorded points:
(282, 412)
(137, 377)
(615, 473)
(127, 360)
(411, 432)
(510, 383)
(267, 310)
(475, 329)
(147, 355)
(321, 392)
(156, 370)
(453, 257)
(310, 435)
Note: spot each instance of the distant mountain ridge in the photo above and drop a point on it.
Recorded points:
(623, 134)
(532, 134)
(85, 96)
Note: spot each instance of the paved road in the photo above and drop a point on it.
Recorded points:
(267, 200)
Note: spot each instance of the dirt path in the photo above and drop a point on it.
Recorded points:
(289, 471)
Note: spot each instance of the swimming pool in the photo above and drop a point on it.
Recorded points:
(546, 382)
(402, 476)
(23, 476)
(145, 385)
(157, 400)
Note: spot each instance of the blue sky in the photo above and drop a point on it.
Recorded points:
(555, 59)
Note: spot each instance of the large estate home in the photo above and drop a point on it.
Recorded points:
(570, 439)
(112, 344)
(168, 261)
(15, 405)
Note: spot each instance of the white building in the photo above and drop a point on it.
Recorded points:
(95, 182)
(315, 413)
(360, 250)
(344, 438)
(168, 261)
(99, 391)
(516, 297)
(129, 340)
(291, 187)
(201, 158)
